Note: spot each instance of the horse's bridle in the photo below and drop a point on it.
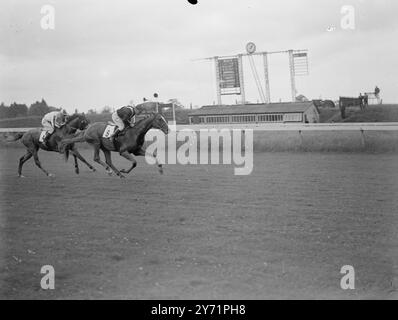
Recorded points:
(163, 123)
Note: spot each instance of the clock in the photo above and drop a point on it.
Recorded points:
(251, 48)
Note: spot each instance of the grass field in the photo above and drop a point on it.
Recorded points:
(374, 113)
(199, 231)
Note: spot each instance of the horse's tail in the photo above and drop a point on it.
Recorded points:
(79, 137)
(15, 137)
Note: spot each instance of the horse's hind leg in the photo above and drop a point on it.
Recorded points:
(37, 161)
(108, 160)
(98, 159)
(22, 160)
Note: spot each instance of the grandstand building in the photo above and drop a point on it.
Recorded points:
(295, 112)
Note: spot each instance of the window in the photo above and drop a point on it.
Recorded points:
(293, 117)
(244, 118)
(270, 118)
(217, 119)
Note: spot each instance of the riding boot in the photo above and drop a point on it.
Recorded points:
(45, 139)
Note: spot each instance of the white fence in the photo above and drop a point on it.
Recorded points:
(370, 126)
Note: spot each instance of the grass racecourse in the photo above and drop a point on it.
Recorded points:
(199, 231)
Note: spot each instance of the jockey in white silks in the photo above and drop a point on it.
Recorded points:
(52, 120)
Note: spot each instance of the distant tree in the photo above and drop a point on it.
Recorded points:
(39, 108)
(18, 110)
(50, 109)
(4, 111)
(92, 111)
(106, 110)
(301, 98)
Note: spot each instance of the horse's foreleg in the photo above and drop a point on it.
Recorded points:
(37, 161)
(142, 152)
(98, 159)
(80, 157)
(129, 157)
(108, 160)
(22, 160)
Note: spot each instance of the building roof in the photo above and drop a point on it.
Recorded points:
(285, 107)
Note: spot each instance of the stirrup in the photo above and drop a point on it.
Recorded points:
(114, 135)
(121, 132)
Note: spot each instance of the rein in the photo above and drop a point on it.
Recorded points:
(146, 125)
(72, 118)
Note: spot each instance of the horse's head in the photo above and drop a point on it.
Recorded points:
(78, 121)
(159, 122)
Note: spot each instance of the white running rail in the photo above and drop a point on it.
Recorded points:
(361, 126)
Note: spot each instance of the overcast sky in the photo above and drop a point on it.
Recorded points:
(111, 52)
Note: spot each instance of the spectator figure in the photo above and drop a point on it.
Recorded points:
(366, 100)
(360, 101)
(377, 94)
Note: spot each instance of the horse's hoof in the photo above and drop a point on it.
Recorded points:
(51, 175)
(122, 176)
(93, 170)
(21, 176)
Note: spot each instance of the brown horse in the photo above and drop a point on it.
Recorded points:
(31, 140)
(128, 143)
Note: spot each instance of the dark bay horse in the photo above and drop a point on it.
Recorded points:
(31, 140)
(126, 144)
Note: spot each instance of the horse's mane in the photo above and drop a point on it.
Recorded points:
(145, 118)
(73, 117)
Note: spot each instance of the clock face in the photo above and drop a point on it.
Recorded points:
(250, 48)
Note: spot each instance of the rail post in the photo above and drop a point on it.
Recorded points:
(301, 139)
(363, 140)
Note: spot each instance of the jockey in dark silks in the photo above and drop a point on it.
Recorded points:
(123, 117)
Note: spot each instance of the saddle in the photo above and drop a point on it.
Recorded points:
(109, 130)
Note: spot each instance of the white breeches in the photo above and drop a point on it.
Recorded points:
(48, 125)
(119, 122)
